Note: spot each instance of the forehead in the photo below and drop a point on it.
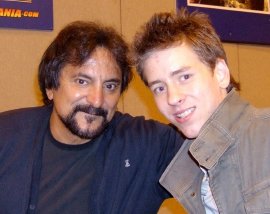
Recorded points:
(182, 50)
(102, 57)
(170, 58)
(101, 62)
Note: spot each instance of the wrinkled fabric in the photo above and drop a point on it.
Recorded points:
(234, 147)
(127, 170)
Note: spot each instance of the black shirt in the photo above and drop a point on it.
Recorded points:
(130, 157)
(67, 176)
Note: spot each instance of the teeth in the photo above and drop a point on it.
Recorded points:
(185, 113)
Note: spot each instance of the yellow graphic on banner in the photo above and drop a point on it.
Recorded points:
(17, 13)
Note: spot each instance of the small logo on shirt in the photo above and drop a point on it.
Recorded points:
(127, 164)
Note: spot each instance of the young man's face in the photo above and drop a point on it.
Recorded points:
(86, 99)
(186, 91)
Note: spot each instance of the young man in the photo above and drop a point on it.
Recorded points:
(223, 166)
(77, 154)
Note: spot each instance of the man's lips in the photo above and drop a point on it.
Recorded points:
(90, 117)
(185, 113)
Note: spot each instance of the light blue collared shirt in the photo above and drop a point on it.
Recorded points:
(207, 197)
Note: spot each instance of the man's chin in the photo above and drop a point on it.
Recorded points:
(91, 133)
(92, 130)
(93, 122)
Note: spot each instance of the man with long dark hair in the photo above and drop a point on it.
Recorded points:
(77, 153)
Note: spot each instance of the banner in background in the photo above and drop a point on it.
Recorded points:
(235, 21)
(26, 14)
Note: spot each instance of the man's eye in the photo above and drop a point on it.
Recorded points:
(81, 81)
(111, 87)
(185, 77)
(158, 90)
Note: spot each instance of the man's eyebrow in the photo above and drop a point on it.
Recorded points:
(82, 75)
(181, 70)
(150, 84)
(116, 80)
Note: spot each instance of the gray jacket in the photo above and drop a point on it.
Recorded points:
(234, 147)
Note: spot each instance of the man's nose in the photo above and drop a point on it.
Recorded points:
(175, 95)
(95, 96)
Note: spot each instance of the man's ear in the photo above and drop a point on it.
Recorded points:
(222, 73)
(49, 93)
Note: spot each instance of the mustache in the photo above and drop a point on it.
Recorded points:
(90, 110)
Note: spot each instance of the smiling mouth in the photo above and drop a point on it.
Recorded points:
(185, 113)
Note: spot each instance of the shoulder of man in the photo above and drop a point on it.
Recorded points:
(126, 120)
(141, 127)
(24, 117)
